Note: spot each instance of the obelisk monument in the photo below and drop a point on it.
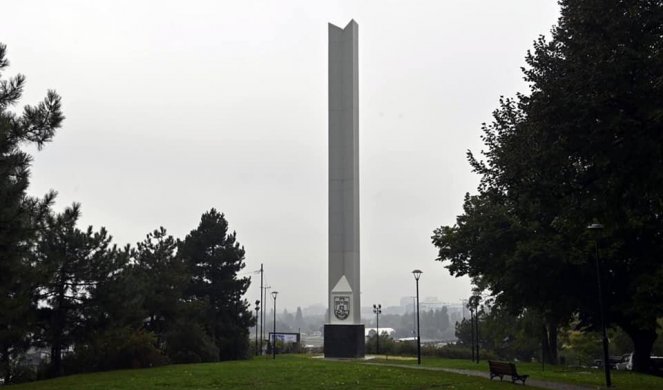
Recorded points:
(344, 332)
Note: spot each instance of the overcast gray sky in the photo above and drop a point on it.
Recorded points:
(176, 107)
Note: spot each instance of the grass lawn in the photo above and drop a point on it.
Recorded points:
(587, 376)
(286, 372)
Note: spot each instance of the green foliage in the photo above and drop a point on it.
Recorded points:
(187, 342)
(455, 351)
(504, 335)
(387, 344)
(115, 349)
(72, 262)
(214, 258)
(69, 289)
(434, 324)
(163, 277)
(19, 213)
(584, 145)
(299, 319)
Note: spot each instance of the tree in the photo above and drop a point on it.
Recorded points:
(163, 277)
(299, 319)
(19, 213)
(514, 258)
(584, 145)
(214, 258)
(72, 263)
(434, 323)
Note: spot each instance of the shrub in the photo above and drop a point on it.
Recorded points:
(187, 342)
(115, 349)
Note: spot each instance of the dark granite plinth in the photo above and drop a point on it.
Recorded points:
(344, 341)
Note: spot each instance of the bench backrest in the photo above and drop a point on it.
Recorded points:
(502, 367)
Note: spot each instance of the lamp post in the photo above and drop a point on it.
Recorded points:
(377, 309)
(257, 311)
(474, 307)
(274, 294)
(414, 315)
(262, 309)
(263, 327)
(417, 274)
(469, 306)
(597, 227)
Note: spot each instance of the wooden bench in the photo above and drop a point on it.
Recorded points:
(505, 368)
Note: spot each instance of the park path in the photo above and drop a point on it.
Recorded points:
(483, 374)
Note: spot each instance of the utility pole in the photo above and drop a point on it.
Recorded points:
(262, 310)
(264, 292)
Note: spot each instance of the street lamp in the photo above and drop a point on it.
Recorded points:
(263, 328)
(257, 310)
(474, 307)
(597, 227)
(471, 308)
(417, 274)
(377, 309)
(274, 294)
(262, 309)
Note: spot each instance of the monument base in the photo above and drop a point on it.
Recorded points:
(344, 341)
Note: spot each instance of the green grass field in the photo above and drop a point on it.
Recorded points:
(286, 372)
(300, 372)
(592, 377)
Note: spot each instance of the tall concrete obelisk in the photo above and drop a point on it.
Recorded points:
(344, 333)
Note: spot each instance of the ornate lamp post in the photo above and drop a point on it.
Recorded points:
(377, 309)
(257, 311)
(597, 227)
(417, 274)
(274, 294)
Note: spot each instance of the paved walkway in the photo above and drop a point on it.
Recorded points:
(483, 374)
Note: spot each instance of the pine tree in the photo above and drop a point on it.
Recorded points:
(73, 263)
(163, 277)
(214, 258)
(19, 214)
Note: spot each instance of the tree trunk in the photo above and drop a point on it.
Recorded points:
(56, 359)
(643, 342)
(545, 347)
(549, 345)
(59, 318)
(552, 342)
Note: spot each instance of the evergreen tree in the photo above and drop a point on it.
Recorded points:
(19, 214)
(214, 258)
(163, 277)
(299, 319)
(72, 263)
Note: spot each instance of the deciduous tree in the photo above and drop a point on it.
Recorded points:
(584, 145)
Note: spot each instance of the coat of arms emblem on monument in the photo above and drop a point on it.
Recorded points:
(341, 307)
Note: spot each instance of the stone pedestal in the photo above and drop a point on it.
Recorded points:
(344, 341)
